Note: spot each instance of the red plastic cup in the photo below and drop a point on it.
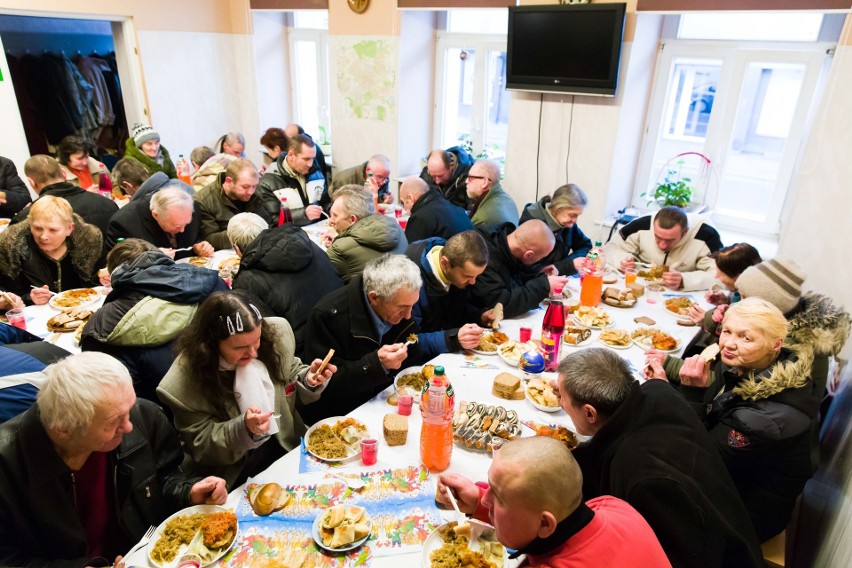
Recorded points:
(404, 404)
(403, 222)
(397, 211)
(369, 451)
(17, 318)
(525, 334)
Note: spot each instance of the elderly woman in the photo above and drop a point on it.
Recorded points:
(52, 251)
(73, 155)
(731, 261)
(233, 388)
(561, 212)
(760, 405)
(89, 468)
(144, 147)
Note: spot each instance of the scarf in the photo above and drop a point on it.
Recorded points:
(567, 527)
(253, 387)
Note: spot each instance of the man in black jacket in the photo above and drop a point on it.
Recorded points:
(509, 277)
(367, 323)
(47, 178)
(446, 170)
(14, 195)
(89, 468)
(296, 182)
(431, 214)
(650, 449)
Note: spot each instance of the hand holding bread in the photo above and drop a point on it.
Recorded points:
(695, 372)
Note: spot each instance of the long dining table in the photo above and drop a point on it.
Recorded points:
(471, 375)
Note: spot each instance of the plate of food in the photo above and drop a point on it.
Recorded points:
(201, 261)
(207, 530)
(593, 317)
(490, 341)
(653, 338)
(483, 427)
(413, 379)
(511, 351)
(69, 320)
(679, 306)
(612, 296)
(616, 338)
(335, 439)
(446, 547)
(77, 298)
(576, 336)
(652, 272)
(341, 528)
(542, 396)
(229, 267)
(554, 431)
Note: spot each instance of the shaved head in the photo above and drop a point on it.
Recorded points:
(412, 189)
(531, 241)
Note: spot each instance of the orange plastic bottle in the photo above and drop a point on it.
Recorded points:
(183, 170)
(591, 288)
(437, 404)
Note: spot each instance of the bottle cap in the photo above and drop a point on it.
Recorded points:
(439, 370)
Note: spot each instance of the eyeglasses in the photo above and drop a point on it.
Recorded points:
(478, 177)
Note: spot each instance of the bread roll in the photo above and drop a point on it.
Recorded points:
(268, 498)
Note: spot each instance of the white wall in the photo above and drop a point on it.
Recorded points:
(416, 89)
(13, 142)
(272, 62)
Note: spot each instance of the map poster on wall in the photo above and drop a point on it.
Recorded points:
(366, 77)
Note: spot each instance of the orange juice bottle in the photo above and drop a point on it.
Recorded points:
(591, 287)
(436, 435)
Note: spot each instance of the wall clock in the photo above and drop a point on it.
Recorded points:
(358, 6)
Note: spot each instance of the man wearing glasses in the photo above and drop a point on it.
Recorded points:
(491, 205)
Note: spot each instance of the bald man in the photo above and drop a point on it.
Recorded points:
(446, 171)
(431, 214)
(509, 277)
(534, 500)
(491, 204)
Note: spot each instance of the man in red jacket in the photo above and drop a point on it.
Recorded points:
(534, 500)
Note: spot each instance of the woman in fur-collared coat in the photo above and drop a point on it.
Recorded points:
(54, 247)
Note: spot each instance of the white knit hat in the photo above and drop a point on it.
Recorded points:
(778, 281)
(142, 133)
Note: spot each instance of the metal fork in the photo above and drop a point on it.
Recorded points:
(149, 534)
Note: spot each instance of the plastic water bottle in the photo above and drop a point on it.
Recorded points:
(104, 183)
(551, 331)
(183, 170)
(437, 404)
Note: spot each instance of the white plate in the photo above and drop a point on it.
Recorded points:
(581, 324)
(628, 346)
(353, 451)
(483, 352)
(675, 315)
(55, 298)
(408, 371)
(556, 408)
(645, 343)
(189, 511)
(512, 343)
(434, 542)
(207, 263)
(315, 532)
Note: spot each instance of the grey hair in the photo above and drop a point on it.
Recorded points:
(492, 169)
(170, 197)
(356, 200)
(232, 137)
(569, 196)
(76, 386)
(243, 228)
(379, 160)
(596, 376)
(390, 273)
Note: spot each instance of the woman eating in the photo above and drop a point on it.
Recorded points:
(233, 388)
(52, 251)
(759, 404)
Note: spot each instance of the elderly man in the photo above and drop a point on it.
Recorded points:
(491, 205)
(297, 182)
(534, 499)
(90, 466)
(447, 170)
(649, 448)
(669, 239)
(430, 214)
(362, 234)
(46, 177)
(509, 278)
(14, 195)
(167, 219)
(283, 267)
(375, 172)
(232, 143)
(366, 323)
(233, 192)
(446, 319)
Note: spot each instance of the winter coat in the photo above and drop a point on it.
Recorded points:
(135, 220)
(37, 491)
(24, 358)
(151, 164)
(152, 300)
(95, 209)
(507, 280)
(570, 243)
(217, 442)
(17, 194)
(342, 321)
(217, 209)
(764, 425)
(277, 182)
(209, 171)
(94, 168)
(439, 312)
(22, 264)
(156, 182)
(364, 240)
(690, 257)
(356, 175)
(495, 208)
(655, 454)
(455, 189)
(289, 272)
(434, 216)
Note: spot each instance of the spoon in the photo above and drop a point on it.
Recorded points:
(352, 483)
(462, 520)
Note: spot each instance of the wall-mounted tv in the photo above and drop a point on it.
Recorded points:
(565, 48)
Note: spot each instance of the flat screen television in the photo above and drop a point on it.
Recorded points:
(572, 49)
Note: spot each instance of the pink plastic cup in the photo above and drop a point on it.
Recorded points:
(369, 451)
(404, 404)
(525, 334)
(17, 318)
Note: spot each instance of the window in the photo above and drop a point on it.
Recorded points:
(309, 68)
(473, 105)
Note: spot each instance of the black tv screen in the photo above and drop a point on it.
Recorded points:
(565, 49)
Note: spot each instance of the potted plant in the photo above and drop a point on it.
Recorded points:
(673, 190)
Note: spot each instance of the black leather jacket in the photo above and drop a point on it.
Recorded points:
(39, 523)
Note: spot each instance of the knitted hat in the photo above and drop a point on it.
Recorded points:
(778, 281)
(142, 133)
